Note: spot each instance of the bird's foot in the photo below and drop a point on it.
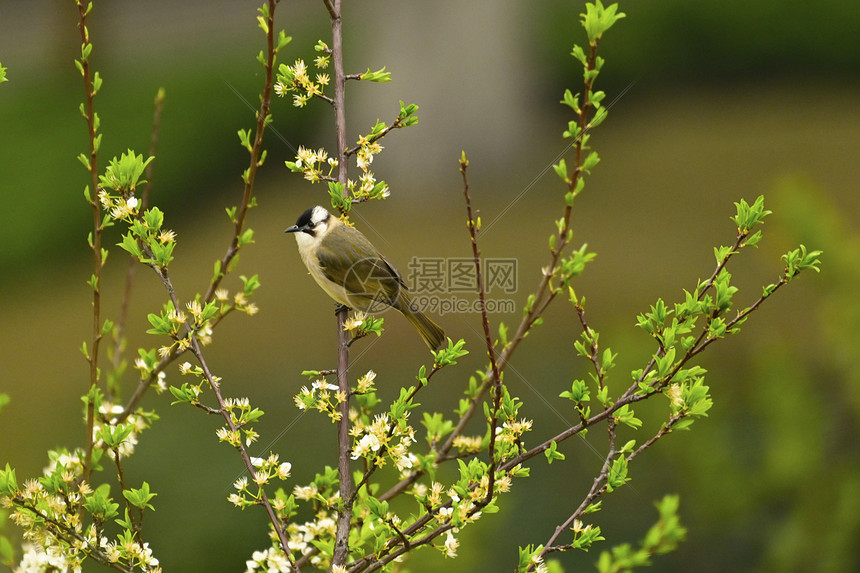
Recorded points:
(339, 307)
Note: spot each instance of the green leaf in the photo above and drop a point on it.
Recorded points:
(97, 83)
(283, 40)
(336, 194)
(140, 497)
(160, 324)
(448, 356)
(572, 101)
(100, 505)
(114, 436)
(129, 243)
(748, 216)
(752, 240)
(579, 54)
(247, 237)
(598, 19)
(625, 415)
(800, 260)
(8, 481)
(552, 453)
(668, 532)
(377, 76)
(572, 132)
(578, 392)
(590, 162)
(722, 253)
(617, 474)
(185, 394)
(123, 174)
(407, 116)
(599, 116)
(153, 218)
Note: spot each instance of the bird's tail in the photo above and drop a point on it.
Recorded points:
(431, 332)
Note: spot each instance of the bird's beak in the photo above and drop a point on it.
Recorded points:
(293, 229)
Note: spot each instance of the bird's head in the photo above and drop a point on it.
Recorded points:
(314, 222)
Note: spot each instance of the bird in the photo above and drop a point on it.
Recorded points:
(347, 266)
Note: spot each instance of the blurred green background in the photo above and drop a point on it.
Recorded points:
(711, 102)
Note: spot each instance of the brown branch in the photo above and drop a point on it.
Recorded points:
(247, 196)
(344, 442)
(256, 152)
(496, 380)
(543, 295)
(378, 136)
(593, 345)
(598, 488)
(122, 319)
(162, 273)
(70, 536)
(664, 429)
(344, 515)
(264, 498)
(98, 260)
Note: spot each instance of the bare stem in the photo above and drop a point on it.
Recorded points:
(119, 342)
(496, 380)
(98, 259)
(344, 516)
(277, 525)
(598, 488)
(256, 152)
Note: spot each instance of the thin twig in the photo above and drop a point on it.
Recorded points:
(247, 196)
(162, 273)
(256, 151)
(496, 380)
(277, 525)
(70, 535)
(344, 515)
(96, 243)
(119, 343)
(543, 295)
(598, 487)
(378, 136)
(664, 429)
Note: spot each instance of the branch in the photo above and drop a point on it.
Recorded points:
(598, 488)
(665, 429)
(496, 380)
(395, 125)
(96, 243)
(247, 196)
(256, 151)
(162, 273)
(543, 295)
(344, 515)
(264, 498)
(132, 262)
(70, 536)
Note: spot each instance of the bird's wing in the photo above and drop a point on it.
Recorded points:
(357, 266)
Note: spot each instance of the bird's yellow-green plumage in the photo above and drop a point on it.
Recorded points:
(352, 272)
